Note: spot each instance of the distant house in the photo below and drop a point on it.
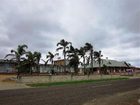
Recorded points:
(7, 66)
(45, 68)
(60, 62)
(108, 66)
(59, 65)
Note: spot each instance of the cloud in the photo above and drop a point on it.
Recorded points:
(112, 26)
(21, 23)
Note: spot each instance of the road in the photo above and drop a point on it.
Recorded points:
(66, 95)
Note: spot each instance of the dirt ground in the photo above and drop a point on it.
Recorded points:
(7, 83)
(125, 98)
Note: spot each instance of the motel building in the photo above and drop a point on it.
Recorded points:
(107, 67)
(7, 66)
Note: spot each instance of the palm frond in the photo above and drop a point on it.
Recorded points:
(43, 60)
(9, 55)
(67, 47)
(13, 59)
(59, 48)
(24, 46)
(22, 58)
(13, 51)
(58, 44)
(50, 55)
(56, 54)
(70, 43)
(47, 56)
(47, 61)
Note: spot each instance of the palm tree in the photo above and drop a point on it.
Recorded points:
(17, 56)
(73, 58)
(50, 57)
(30, 60)
(104, 69)
(37, 57)
(98, 55)
(64, 45)
(33, 59)
(89, 48)
(82, 53)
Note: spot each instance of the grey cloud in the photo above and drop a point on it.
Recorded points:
(135, 62)
(122, 14)
(42, 23)
(129, 15)
(130, 40)
(100, 38)
(4, 51)
(32, 27)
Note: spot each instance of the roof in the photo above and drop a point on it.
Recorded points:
(109, 63)
(59, 60)
(7, 61)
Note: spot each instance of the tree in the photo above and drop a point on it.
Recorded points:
(50, 58)
(33, 60)
(73, 58)
(82, 53)
(64, 45)
(105, 69)
(97, 55)
(89, 48)
(30, 60)
(37, 58)
(17, 56)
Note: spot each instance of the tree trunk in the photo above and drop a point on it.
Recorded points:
(18, 72)
(100, 67)
(64, 63)
(84, 65)
(91, 55)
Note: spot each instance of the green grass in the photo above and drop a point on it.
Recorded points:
(74, 82)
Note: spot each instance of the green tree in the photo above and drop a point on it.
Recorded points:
(33, 60)
(82, 54)
(104, 68)
(37, 58)
(89, 48)
(64, 45)
(30, 60)
(50, 58)
(73, 58)
(97, 56)
(17, 55)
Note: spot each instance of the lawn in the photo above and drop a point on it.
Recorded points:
(74, 82)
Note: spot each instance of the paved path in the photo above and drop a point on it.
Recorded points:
(66, 95)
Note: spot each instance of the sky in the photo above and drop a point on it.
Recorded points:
(112, 26)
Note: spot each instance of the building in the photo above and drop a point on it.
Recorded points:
(7, 66)
(108, 66)
(59, 64)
